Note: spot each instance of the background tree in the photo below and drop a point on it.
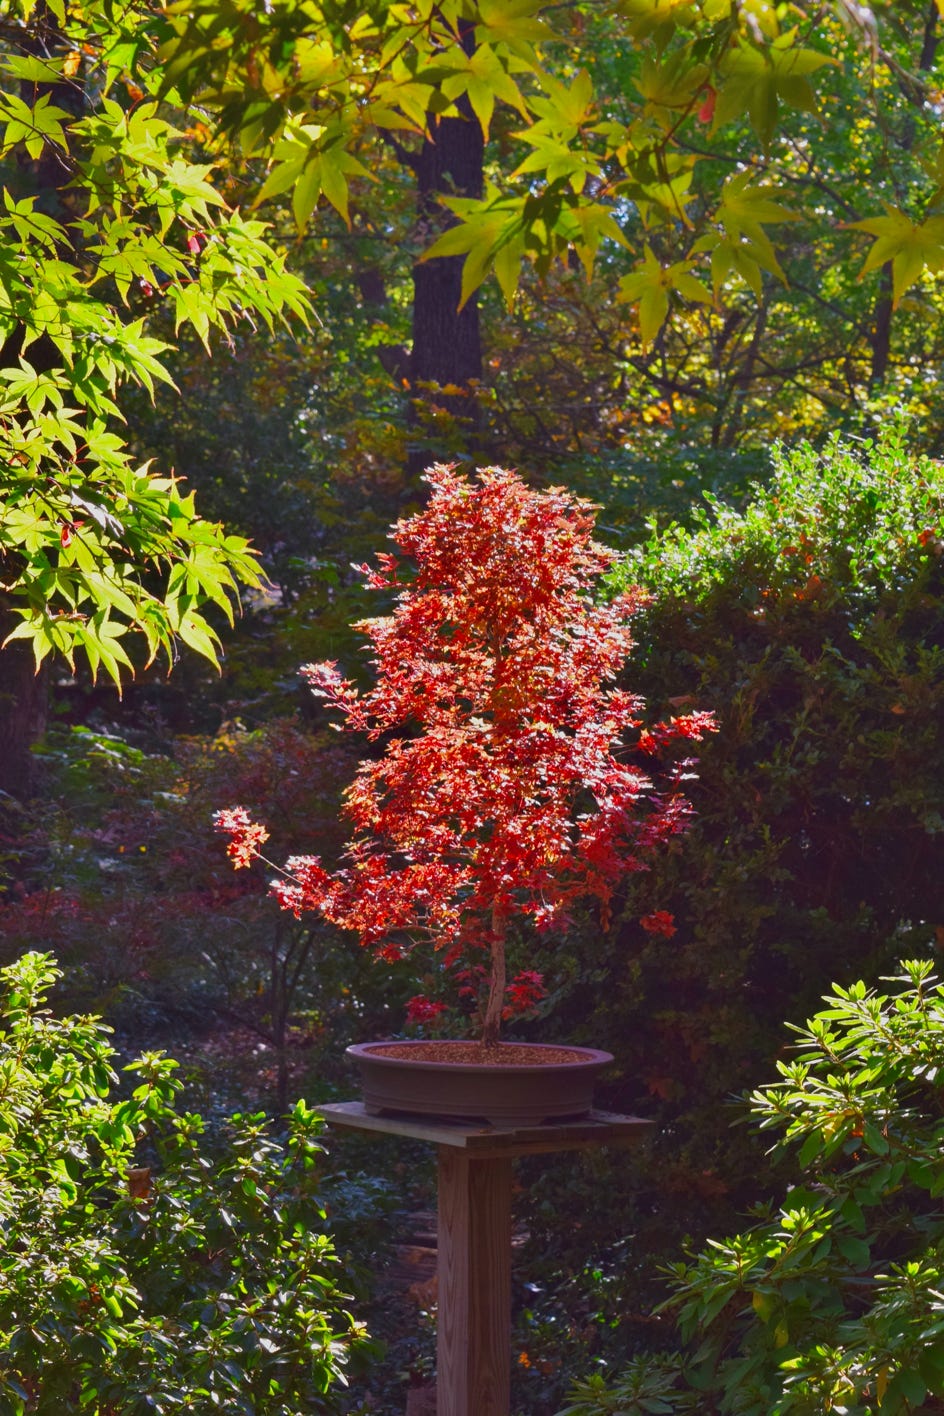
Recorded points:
(710, 140)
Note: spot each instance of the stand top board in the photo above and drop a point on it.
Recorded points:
(599, 1128)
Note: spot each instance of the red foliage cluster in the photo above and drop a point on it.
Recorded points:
(524, 991)
(423, 1010)
(246, 836)
(504, 786)
(659, 922)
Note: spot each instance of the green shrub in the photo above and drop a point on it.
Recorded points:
(833, 1301)
(142, 1271)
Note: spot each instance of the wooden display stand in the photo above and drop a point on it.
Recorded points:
(473, 1338)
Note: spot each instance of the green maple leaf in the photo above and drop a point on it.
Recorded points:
(484, 78)
(911, 247)
(742, 213)
(514, 23)
(757, 80)
(651, 285)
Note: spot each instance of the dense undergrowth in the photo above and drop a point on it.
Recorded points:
(831, 1299)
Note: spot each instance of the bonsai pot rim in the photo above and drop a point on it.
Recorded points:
(506, 1094)
(581, 1056)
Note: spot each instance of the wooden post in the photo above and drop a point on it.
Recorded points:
(473, 1336)
(474, 1312)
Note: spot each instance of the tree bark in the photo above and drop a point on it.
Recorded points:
(446, 340)
(745, 377)
(880, 337)
(447, 347)
(23, 705)
(491, 1027)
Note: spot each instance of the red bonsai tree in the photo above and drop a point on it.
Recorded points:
(505, 786)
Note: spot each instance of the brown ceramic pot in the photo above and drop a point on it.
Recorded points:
(509, 1085)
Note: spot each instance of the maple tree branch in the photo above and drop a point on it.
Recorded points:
(404, 155)
(744, 377)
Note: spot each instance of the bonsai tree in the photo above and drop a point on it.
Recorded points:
(505, 787)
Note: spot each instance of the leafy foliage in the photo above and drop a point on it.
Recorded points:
(109, 224)
(832, 1300)
(812, 621)
(721, 147)
(141, 1272)
(513, 798)
(629, 371)
(316, 84)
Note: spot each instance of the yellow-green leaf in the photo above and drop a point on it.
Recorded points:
(910, 246)
(507, 263)
(653, 308)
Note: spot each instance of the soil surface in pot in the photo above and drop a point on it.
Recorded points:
(476, 1054)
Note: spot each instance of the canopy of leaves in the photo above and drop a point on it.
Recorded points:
(741, 304)
(710, 133)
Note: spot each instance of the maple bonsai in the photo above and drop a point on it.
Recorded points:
(504, 787)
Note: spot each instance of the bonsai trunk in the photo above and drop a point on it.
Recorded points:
(496, 983)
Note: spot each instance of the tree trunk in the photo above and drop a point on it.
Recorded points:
(446, 340)
(880, 337)
(23, 694)
(447, 347)
(744, 379)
